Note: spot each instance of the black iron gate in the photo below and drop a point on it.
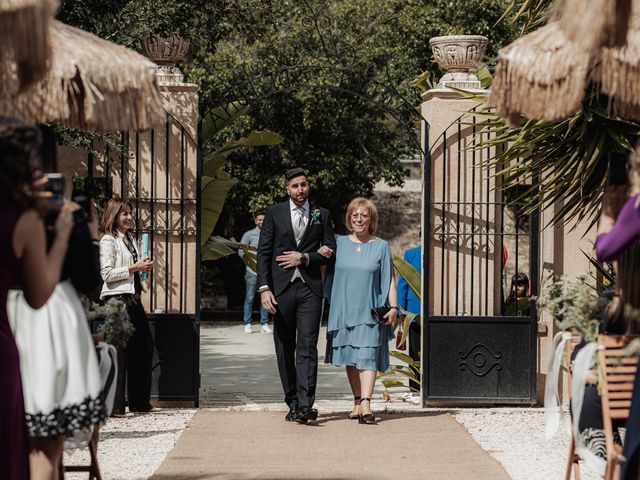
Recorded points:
(478, 346)
(158, 172)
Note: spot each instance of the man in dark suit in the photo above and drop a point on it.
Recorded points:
(290, 286)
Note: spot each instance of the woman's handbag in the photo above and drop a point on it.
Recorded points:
(378, 314)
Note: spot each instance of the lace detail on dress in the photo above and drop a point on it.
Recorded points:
(64, 421)
(593, 439)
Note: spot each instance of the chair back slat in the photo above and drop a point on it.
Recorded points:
(620, 370)
(620, 378)
(621, 414)
(620, 394)
(617, 375)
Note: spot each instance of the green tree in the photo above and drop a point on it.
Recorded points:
(345, 143)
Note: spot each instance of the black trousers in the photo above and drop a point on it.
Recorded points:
(134, 362)
(296, 327)
(414, 351)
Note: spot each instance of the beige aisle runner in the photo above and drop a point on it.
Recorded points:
(261, 445)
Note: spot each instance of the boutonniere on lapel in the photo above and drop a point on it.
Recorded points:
(315, 216)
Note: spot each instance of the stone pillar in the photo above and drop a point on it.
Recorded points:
(174, 213)
(169, 176)
(455, 183)
(456, 258)
(561, 253)
(159, 177)
(461, 203)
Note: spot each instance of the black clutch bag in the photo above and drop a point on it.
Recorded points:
(378, 314)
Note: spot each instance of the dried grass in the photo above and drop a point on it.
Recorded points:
(25, 42)
(541, 76)
(93, 85)
(620, 72)
(593, 24)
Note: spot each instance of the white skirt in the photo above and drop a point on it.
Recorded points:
(58, 362)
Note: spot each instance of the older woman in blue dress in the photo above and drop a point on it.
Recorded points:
(363, 280)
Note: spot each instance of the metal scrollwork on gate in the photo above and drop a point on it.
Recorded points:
(480, 360)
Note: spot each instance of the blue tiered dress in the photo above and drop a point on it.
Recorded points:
(361, 282)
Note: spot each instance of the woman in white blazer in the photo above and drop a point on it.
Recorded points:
(120, 268)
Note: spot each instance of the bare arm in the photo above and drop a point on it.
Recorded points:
(40, 271)
(619, 225)
(393, 300)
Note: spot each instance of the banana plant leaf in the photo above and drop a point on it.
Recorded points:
(214, 192)
(216, 183)
(410, 274)
(214, 161)
(219, 118)
(409, 318)
(217, 247)
(405, 358)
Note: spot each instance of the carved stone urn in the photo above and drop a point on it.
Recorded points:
(458, 54)
(166, 51)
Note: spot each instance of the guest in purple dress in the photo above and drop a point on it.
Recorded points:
(619, 240)
(23, 255)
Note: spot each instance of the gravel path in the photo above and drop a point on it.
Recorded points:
(515, 437)
(133, 448)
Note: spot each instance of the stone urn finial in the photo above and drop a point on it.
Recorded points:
(458, 54)
(166, 51)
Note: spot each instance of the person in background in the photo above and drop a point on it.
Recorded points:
(409, 301)
(251, 238)
(120, 267)
(24, 256)
(618, 241)
(518, 303)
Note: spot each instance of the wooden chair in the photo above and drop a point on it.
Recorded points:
(617, 372)
(93, 468)
(573, 462)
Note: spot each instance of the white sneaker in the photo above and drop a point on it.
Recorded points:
(247, 328)
(266, 329)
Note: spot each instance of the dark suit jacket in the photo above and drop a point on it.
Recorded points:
(276, 237)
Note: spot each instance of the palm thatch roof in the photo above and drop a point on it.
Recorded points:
(25, 41)
(593, 24)
(92, 84)
(541, 76)
(619, 72)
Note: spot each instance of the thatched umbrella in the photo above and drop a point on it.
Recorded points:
(541, 76)
(619, 72)
(93, 85)
(593, 24)
(25, 45)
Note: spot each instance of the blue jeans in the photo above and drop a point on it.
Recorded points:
(251, 281)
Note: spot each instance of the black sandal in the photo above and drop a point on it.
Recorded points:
(357, 416)
(369, 418)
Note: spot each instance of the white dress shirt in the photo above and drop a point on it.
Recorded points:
(294, 209)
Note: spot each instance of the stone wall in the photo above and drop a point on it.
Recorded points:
(400, 214)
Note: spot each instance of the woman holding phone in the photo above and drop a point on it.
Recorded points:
(120, 267)
(24, 256)
(61, 383)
